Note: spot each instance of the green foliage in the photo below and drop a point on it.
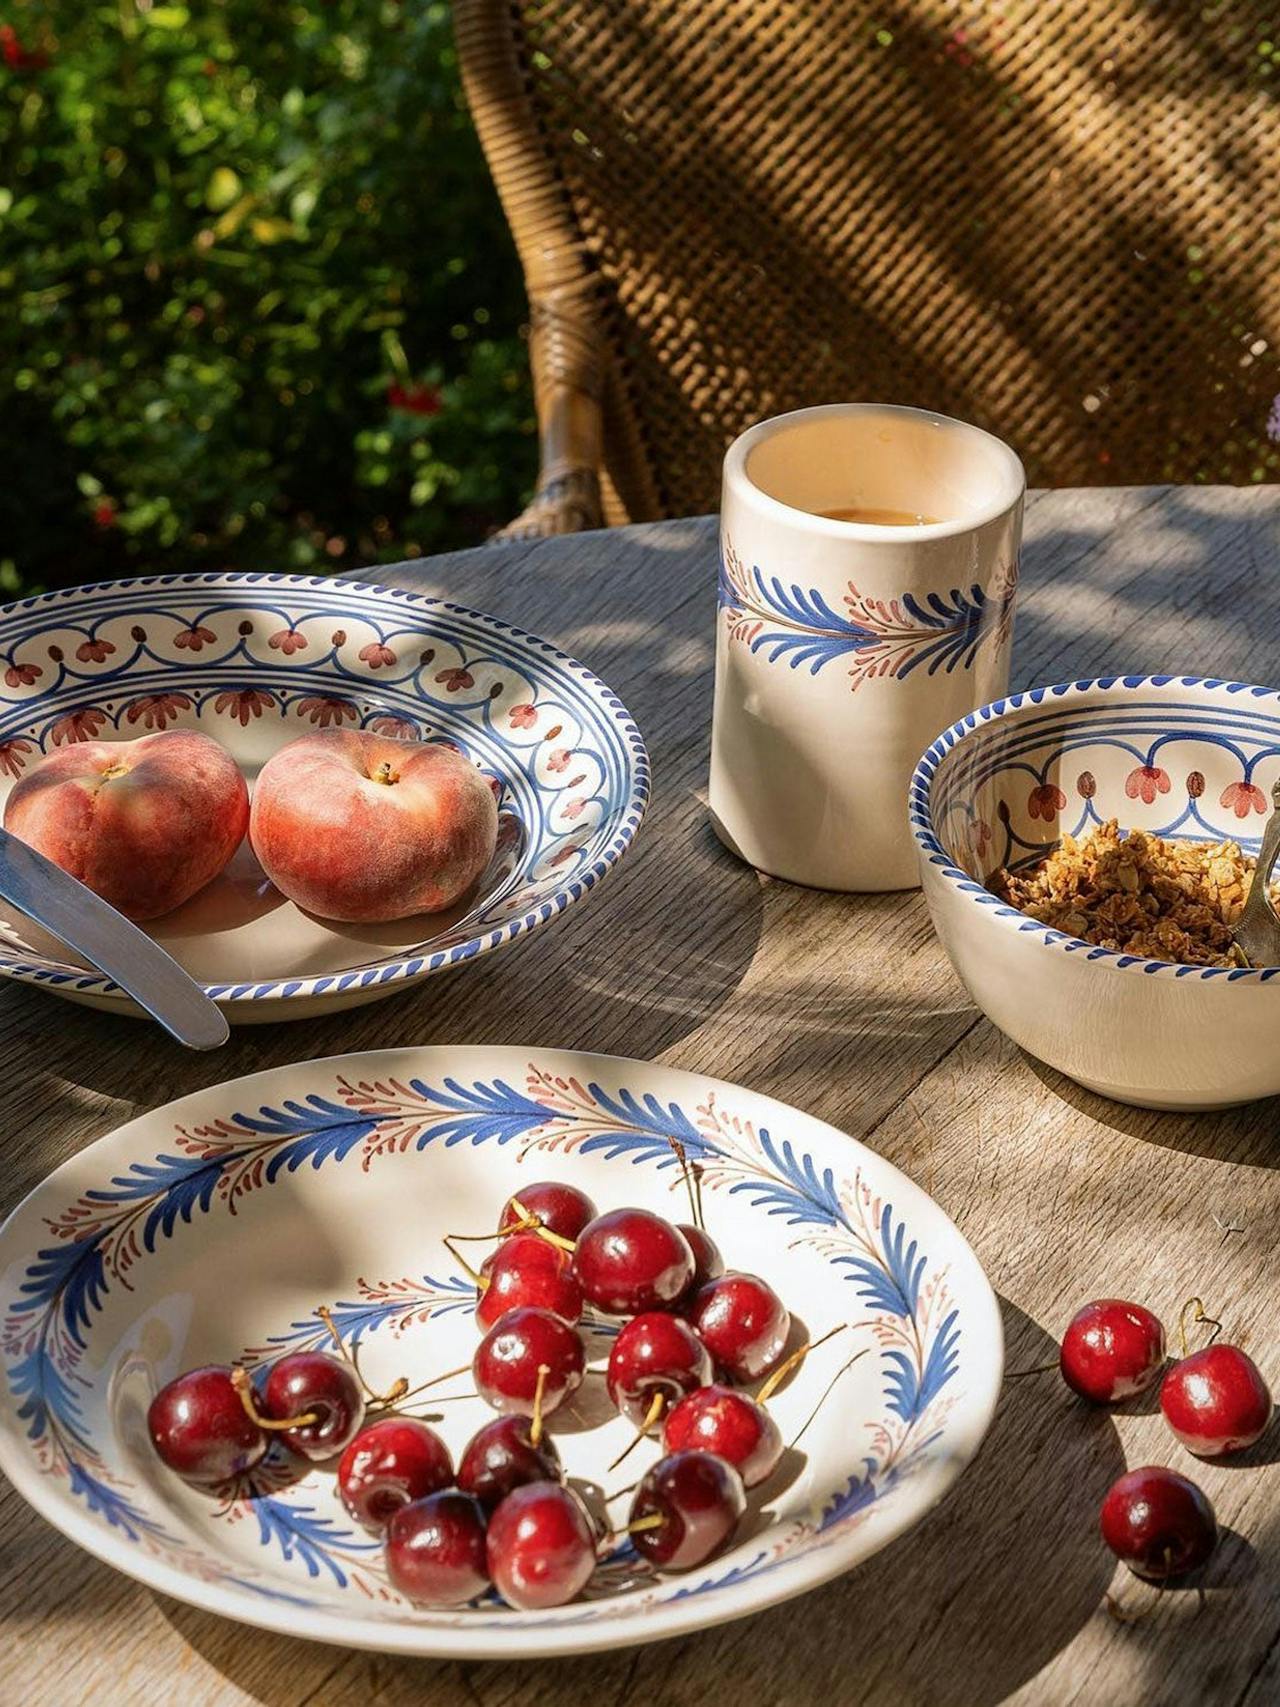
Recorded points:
(261, 306)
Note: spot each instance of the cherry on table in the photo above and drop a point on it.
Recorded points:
(326, 1389)
(541, 1546)
(561, 1209)
(526, 1270)
(509, 1360)
(686, 1510)
(708, 1264)
(200, 1428)
(436, 1550)
(1158, 1523)
(391, 1463)
(502, 1456)
(1216, 1401)
(656, 1357)
(742, 1322)
(1111, 1350)
(731, 1424)
(629, 1260)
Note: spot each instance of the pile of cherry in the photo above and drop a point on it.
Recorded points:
(505, 1515)
(1158, 1522)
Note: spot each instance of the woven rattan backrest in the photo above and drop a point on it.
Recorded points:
(1057, 218)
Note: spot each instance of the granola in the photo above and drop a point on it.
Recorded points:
(1138, 894)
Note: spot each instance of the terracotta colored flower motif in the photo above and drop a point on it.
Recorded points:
(979, 835)
(559, 760)
(565, 854)
(1243, 798)
(397, 728)
(523, 716)
(195, 638)
(1195, 784)
(1145, 782)
(1045, 801)
(376, 655)
(244, 704)
(157, 710)
(11, 759)
(456, 679)
(22, 675)
(288, 641)
(78, 726)
(324, 711)
(94, 651)
(573, 808)
(1086, 785)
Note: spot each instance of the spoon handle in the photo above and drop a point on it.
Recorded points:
(1258, 930)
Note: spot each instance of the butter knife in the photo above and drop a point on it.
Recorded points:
(107, 940)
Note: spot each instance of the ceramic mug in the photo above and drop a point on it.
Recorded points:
(844, 647)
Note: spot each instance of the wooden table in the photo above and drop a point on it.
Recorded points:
(846, 1006)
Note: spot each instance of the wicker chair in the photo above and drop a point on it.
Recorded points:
(1060, 222)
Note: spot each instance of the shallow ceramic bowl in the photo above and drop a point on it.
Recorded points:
(1173, 755)
(211, 1230)
(256, 660)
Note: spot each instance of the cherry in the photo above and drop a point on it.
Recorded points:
(389, 1464)
(629, 1260)
(436, 1550)
(697, 1499)
(199, 1426)
(1111, 1350)
(504, 1455)
(527, 1270)
(1159, 1523)
(313, 1384)
(742, 1322)
(732, 1425)
(541, 1549)
(708, 1264)
(561, 1209)
(655, 1360)
(1216, 1401)
(509, 1361)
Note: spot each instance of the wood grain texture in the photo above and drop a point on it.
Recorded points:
(846, 1006)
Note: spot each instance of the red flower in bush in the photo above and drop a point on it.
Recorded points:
(414, 399)
(104, 514)
(17, 57)
(1145, 782)
(1242, 797)
(1046, 800)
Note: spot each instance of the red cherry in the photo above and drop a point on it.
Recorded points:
(730, 1424)
(655, 1355)
(1111, 1350)
(526, 1270)
(541, 1547)
(628, 1260)
(699, 1499)
(1158, 1523)
(708, 1264)
(436, 1550)
(562, 1209)
(312, 1382)
(200, 1428)
(389, 1464)
(1216, 1401)
(742, 1322)
(504, 1455)
(509, 1357)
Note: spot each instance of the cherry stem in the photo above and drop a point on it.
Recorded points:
(687, 1174)
(476, 1279)
(523, 1225)
(1036, 1369)
(536, 1225)
(651, 1416)
(1197, 1305)
(242, 1384)
(398, 1388)
(637, 1526)
(535, 1427)
(793, 1362)
(826, 1394)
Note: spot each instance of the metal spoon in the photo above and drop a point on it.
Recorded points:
(85, 922)
(1257, 930)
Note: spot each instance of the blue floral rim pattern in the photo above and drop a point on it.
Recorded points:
(920, 811)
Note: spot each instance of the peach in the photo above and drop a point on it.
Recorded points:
(361, 828)
(143, 823)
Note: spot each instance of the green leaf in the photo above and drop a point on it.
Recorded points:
(222, 189)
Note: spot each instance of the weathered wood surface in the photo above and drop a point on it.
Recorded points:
(847, 1007)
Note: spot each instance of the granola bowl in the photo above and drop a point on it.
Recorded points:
(1187, 760)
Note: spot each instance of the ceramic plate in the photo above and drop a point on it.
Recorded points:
(211, 1230)
(255, 660)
